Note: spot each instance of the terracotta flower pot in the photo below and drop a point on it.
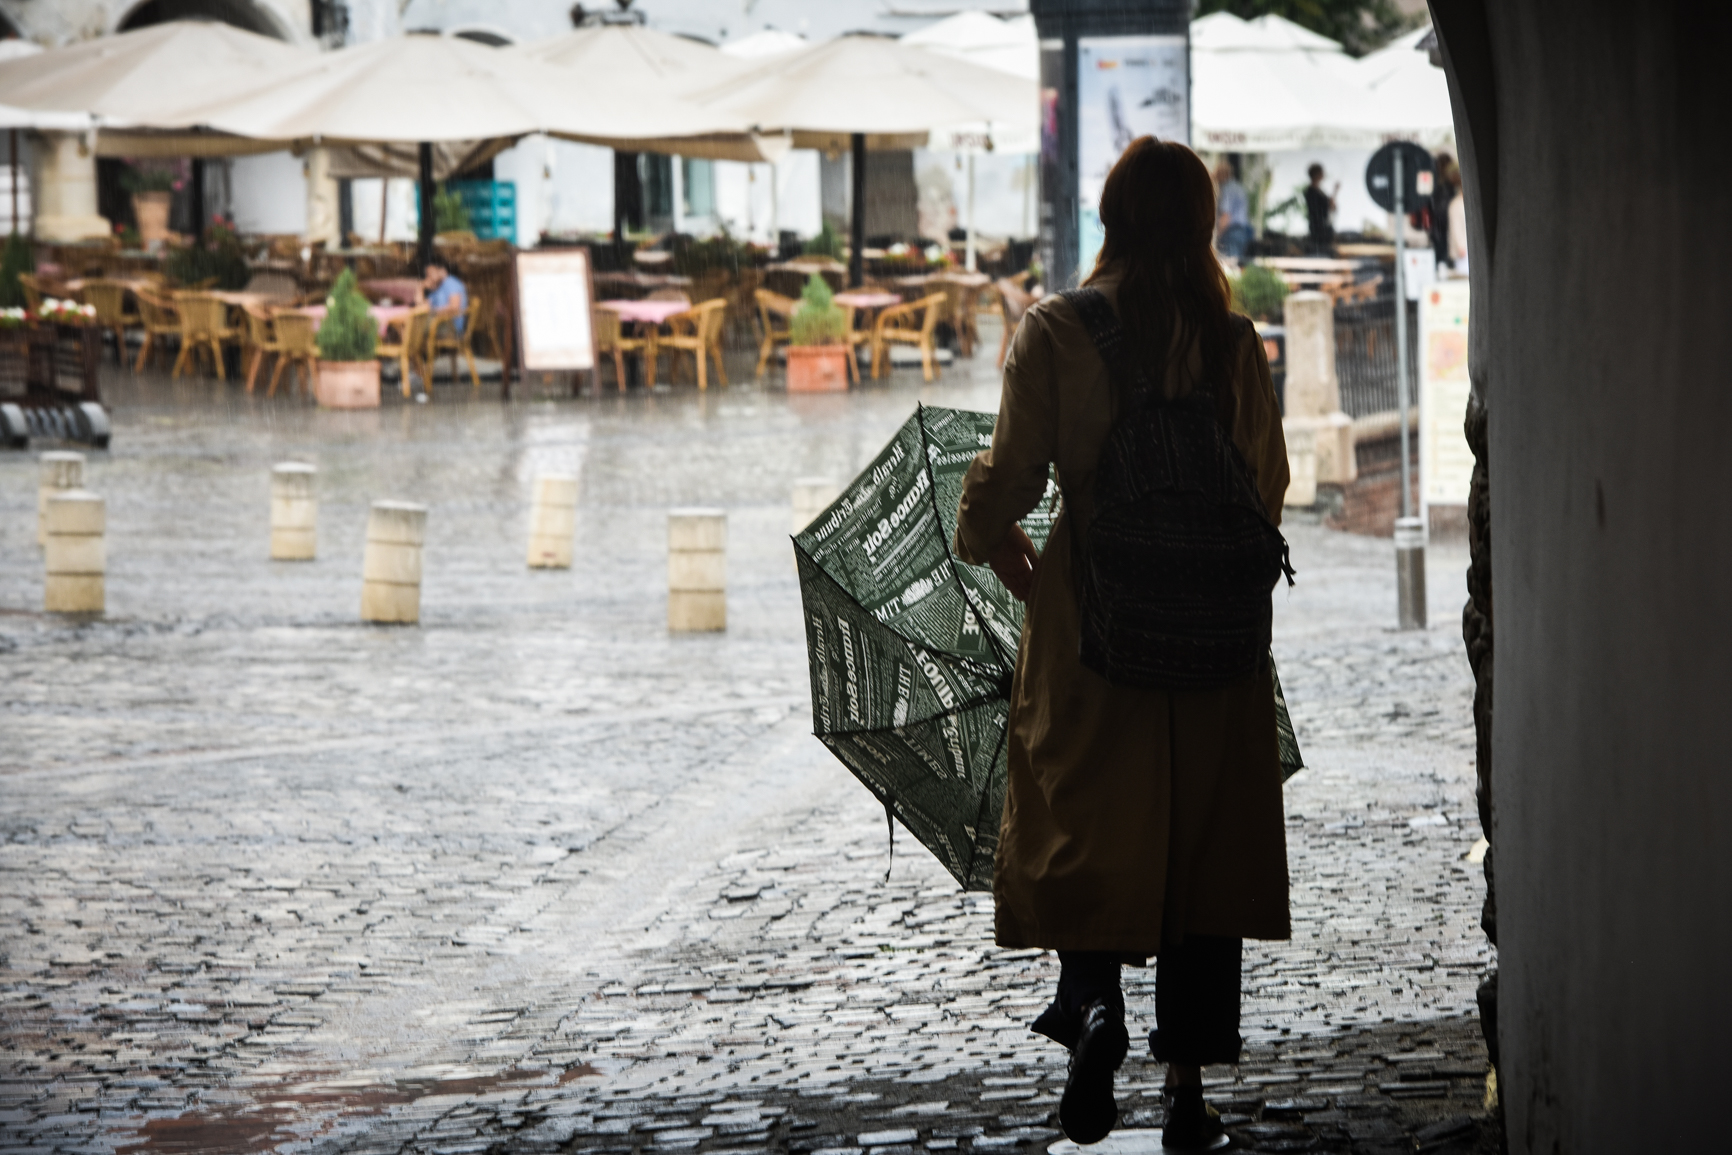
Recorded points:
(347, 384)
(818, 368)
(150, 209)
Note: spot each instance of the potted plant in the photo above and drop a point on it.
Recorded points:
(1258, 292)
(817, 348)
(348, 374)
(152, 191)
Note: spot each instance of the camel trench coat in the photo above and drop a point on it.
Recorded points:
(1133, 817)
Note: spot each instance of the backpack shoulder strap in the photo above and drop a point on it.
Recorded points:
(1101, 322)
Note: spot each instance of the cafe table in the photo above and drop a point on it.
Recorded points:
(383, 315)
(650, 315)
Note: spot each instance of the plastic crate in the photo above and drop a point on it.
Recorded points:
(491, 205)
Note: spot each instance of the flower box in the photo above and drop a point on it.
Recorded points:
(347, 384)
(818, 368)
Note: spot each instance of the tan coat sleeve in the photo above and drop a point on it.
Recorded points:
(1006, 481)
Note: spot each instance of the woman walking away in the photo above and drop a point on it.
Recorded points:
(1144, 809)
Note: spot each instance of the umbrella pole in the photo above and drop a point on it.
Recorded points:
(197, 197)
(424, 234)
(857, 217)
(970, 250)
(13, 143)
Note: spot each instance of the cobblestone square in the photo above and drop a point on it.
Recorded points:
(537, 876)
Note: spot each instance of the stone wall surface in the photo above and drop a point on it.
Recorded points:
(1598, 356)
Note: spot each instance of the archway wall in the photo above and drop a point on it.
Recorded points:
(70, 21)
(1594, 147)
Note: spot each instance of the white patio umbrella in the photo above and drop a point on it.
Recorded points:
(1409, 91)
(426, 88)
(860, 87)
(1267, 85)
(769, 42)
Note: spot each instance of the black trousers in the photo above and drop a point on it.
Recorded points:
(1196, 996)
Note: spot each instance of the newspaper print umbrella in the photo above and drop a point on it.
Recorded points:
(912, 652)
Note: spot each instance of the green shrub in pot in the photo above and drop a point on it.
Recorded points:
(348, 332)
(817, 321)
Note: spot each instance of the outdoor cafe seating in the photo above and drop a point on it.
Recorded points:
(775, 314)
(261, 341)
(296, 348)
(204, 327)
(447, 338)
(912, 323)
(697, 332)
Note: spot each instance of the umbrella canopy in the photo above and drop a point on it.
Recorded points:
(627, 66)
(872, 85)
(769, 42)
(912, 652)
(131, 76)
(1008, 46)
(1267, 85)
(1409, 90)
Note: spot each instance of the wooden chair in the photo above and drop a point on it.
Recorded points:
(609, 341)
(108, 298)
(411, 349)
(161, 326)
(32, 291)
(295, 333)
(697, 331)
(1014, 301)
(854, 336)
(261, 342)
(910, 323)
(458, 342)
(775, 314)
(204, 325)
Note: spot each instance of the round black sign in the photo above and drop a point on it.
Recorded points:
(1380, 176)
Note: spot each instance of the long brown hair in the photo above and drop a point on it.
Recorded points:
(1158, 209)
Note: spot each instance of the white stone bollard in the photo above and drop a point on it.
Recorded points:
(552, 521)
(76, 557)
(1313, 392)
(391, 569)
(1301, 467)
(60, 472)
(697, 570)
(812, 496)
(294, 512)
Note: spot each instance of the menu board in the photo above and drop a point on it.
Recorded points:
(1445, 461)
(554, 294)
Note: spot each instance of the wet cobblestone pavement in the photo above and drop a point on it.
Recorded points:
(537, 876)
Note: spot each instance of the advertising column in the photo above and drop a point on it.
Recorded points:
(1127, 87)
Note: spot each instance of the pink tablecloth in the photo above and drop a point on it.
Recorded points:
(646, 312)
(867, 300)
(385, 315)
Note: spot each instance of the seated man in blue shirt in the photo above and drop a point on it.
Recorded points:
(446, 294)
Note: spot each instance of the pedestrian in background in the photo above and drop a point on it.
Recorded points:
(1233, 215)
(1320, 212)
(1138, 822)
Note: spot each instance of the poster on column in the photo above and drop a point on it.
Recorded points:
(1445, 461)
(1126, 87)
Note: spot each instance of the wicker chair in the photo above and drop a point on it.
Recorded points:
(262, 342)
(446, 338)
(33, 293)
(161, 326)
(412, 349)
(1014, 301)
(697, 331)
(296, 345)
(204, 325)
(108, 298)
(775, 314)
(911, 323)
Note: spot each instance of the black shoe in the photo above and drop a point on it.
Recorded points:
(1088, 1111)
(1192, 1125)
(1058, 1026)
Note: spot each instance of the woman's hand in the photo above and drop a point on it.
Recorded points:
(1014, 562)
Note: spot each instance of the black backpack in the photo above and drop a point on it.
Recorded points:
(1176, 565)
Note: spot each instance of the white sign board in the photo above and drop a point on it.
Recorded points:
(1126, 87)
(1445, 461)
(554, 294)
